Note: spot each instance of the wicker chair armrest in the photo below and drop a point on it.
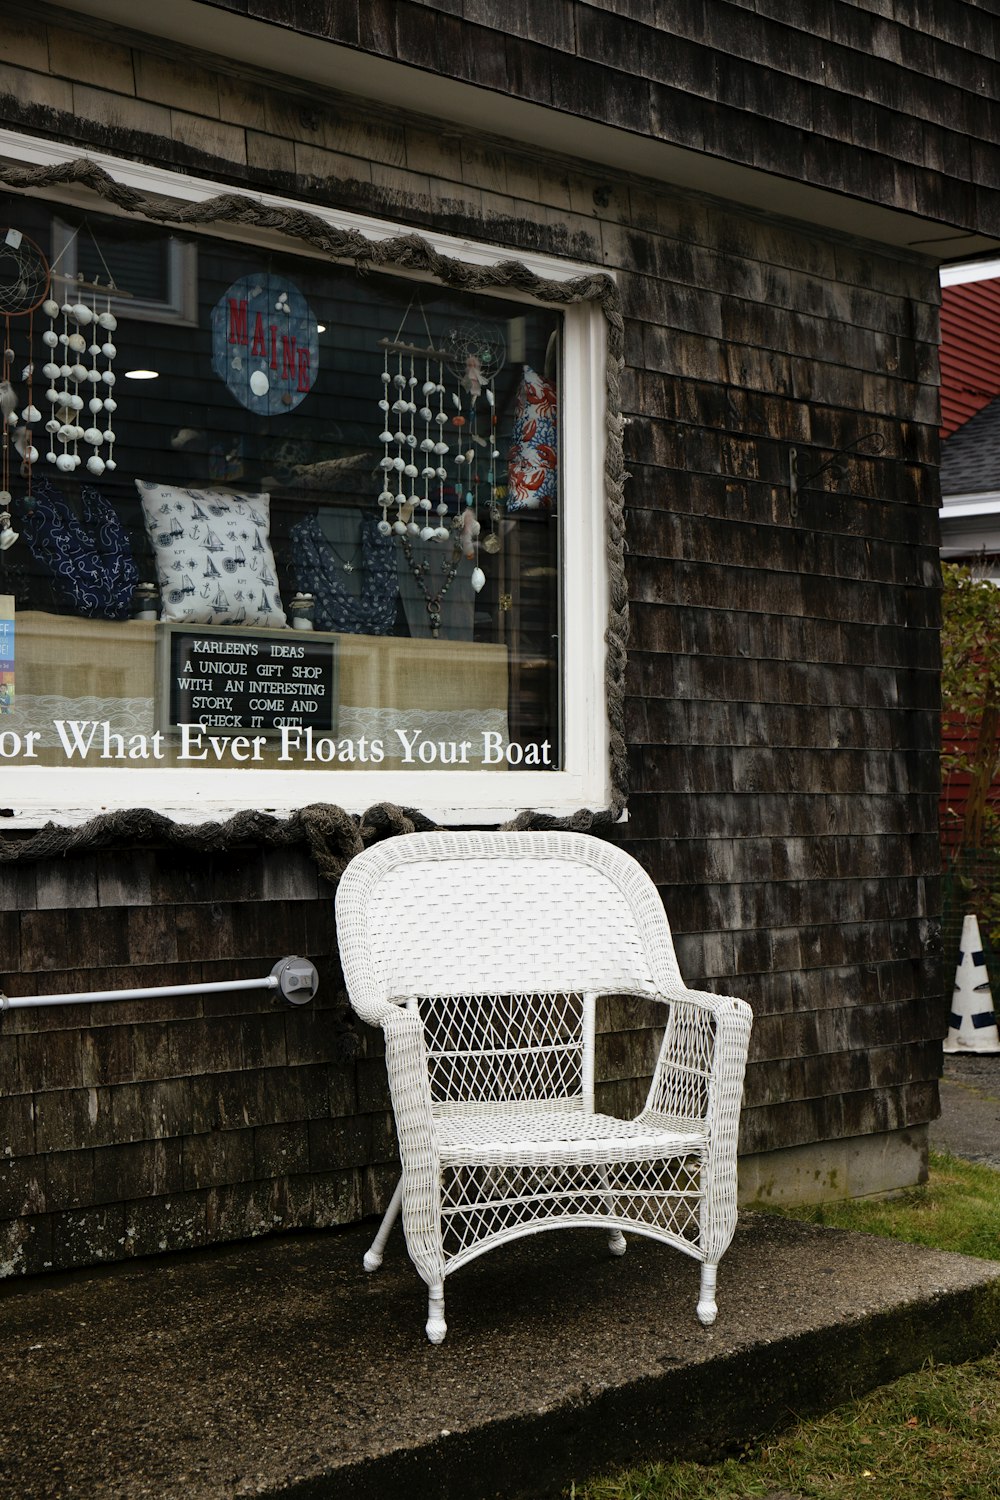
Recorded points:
(688, 1050)
(416, 1133)
(699, 1080)
(409, 1083)
(370, 1007)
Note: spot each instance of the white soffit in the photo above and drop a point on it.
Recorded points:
(977, 270)
(962, 507)
(309, 60)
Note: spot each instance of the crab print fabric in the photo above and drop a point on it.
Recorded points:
(533, 461)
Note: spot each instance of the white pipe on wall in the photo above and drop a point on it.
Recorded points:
(296, 978)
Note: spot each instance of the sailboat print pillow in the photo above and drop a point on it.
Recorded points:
(213, 556)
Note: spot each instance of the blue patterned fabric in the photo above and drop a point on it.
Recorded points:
(317, 571)
(89, 561)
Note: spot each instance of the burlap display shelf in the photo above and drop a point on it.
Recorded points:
(106, 673)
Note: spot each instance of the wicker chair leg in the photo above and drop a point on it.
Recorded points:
(616, 1240)
(707, 1309)
(373, 1256)
(436, 1325)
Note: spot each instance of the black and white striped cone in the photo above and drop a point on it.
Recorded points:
(973, 1025)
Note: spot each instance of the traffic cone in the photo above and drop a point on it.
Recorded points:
(973, 1025)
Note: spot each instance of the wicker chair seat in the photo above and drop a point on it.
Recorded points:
(528, 1136)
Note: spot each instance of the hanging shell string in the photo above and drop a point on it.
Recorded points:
(73, 374)
(427, 472)
(8, 406)
(385, 499)
(491, 543)
(58, 392)
(51, 371)
(441, 447)
(399, 438)
(465, 521)
(69, 458)
(473, 381)
(31, 416)
(95, 404)
(25, 287)
(108, 323)
(438, 471)
(410, 470)
(398, 463)
(441, 471)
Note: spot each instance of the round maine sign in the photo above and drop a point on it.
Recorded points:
(265, 343)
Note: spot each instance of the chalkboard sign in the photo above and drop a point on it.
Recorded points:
(239, 680)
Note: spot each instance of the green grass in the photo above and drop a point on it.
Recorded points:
(957, 1209)
(934, 1435)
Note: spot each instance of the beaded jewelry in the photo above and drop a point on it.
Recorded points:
(477, 354)
(432, 602)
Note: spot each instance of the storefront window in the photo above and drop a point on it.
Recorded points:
(270, 515)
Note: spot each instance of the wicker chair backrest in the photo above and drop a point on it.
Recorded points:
(497, 937)
(502, 913)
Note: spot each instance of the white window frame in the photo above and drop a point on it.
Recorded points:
(73, 794)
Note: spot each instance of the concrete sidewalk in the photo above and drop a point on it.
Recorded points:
(970, 1108)
(279, 1368)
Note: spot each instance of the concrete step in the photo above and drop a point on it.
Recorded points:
(277, 1367)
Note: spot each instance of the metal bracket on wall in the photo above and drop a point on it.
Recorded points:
(795, 484)
(295, 978)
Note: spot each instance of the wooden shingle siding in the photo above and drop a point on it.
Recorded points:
(782, 691)
(134, 1126)
(782, 737)
(898, 104)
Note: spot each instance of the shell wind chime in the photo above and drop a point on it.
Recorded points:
(24, 284)
(79, 370)
(431, 395)
(476, 356)
(80, 389)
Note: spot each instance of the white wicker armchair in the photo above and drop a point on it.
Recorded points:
(481, 956)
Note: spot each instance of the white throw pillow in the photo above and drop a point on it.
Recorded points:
(213, 557)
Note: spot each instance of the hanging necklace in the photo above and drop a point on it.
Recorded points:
(353, 564)
(432, 602)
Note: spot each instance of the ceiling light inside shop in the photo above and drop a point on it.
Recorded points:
(142, 374)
